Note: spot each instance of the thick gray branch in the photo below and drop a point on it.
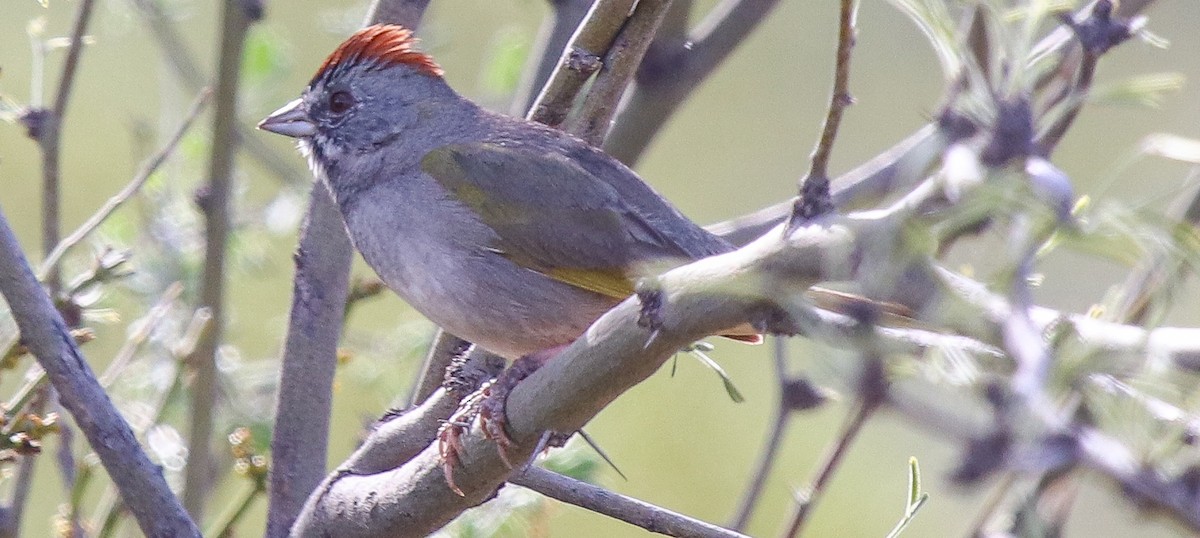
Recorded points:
(303, 404)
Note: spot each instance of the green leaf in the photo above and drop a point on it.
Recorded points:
(916, 498)
(914, 484)
(698, 350)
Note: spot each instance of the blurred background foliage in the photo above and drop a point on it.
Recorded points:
(737, 145)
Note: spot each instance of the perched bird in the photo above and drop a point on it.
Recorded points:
(504, 232)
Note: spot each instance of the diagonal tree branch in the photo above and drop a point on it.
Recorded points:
(579, 60)
(618, 66)
(127, 192)
(617, 506)
(617, 352)
(759, 281)
(140, 481)
(552, 39)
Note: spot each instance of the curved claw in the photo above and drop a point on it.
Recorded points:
(451, 450)
(492, 420)
(449, 437)
(488, 404)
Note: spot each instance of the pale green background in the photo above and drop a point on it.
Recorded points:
(737, 145)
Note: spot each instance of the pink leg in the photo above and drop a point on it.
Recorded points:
(492, 415)
(488, 404)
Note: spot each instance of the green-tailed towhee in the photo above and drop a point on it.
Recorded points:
(505, 232)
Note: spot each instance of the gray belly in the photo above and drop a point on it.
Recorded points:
(438, 263)
(505, 309)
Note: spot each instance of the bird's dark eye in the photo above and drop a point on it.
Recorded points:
(340, 102)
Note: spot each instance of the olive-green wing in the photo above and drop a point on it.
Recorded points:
(552, 215)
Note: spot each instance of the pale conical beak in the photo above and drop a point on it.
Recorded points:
(290, 120)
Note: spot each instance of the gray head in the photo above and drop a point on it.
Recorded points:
(374, 88)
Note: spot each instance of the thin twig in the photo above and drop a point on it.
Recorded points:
(991, 505)
(128, 191)
(224, 524)
(138, 337)
(76, 476)
(635, 512)
(33, 389)
(111, 510)
(872, 179)
(814, 188)
(833, 459)
(771, 447)
(579, 60)
(50, 136)
(620, 63)
(1074, 99)
(215, 202)
(140, 481)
